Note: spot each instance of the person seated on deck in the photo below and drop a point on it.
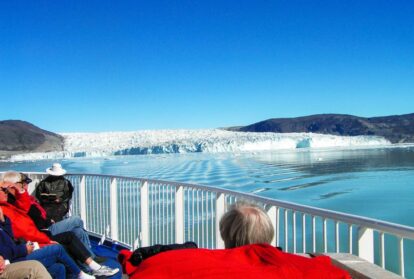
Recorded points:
(17, 184)
(247, 232)
(245, 223)
(55, 192)
(24, 227)
(53, 257)
(23, 270)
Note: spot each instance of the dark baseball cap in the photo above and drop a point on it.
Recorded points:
(25, 178)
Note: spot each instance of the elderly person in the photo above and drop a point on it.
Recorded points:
(25, 228)
(23, 270)
(53, 255)
(245, 223)
(17, 184)
(246, 230)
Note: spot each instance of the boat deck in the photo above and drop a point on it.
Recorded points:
(357, 267)
(110, 252)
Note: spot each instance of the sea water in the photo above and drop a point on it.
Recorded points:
(375, 182)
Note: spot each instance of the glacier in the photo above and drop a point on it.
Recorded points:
(104, 144)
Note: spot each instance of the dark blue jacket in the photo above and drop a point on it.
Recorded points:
(8, 248)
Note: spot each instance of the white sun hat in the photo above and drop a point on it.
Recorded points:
(56, 170)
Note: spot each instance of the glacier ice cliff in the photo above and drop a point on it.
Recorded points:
(185, 141)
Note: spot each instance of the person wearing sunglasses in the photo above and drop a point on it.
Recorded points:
(17, 184)
(25, 228)
(53, 257)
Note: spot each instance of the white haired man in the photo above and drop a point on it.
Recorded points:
(17, 185)
(247, 232)
(245, 223)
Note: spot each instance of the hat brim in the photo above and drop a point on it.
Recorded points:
(56, 173)
(27, 180)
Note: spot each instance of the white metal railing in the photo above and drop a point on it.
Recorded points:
(135, 211)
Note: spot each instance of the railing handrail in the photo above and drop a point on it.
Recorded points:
(384, 226)
(160, 211)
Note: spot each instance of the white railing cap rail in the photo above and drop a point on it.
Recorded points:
(383, 226)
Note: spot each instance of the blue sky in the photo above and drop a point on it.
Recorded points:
(69, 66)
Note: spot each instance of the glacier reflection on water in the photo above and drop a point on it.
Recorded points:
(376, 183)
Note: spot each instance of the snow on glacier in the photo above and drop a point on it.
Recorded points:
(185, 141)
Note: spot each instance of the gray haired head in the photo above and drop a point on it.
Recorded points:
(245, 223)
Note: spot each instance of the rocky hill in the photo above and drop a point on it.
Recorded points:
(396, 128)
(20, 137)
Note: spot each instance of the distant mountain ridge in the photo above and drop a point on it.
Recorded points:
(395, 128)
(18, 136)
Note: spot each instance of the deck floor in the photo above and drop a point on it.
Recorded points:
(110, 253)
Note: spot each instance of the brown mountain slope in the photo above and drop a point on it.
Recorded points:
(396, 128)
(20, 137)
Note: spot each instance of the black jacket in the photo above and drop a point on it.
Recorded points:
(54, 194)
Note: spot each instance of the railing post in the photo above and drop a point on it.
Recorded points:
(36, 178)
(114, 209)
(325, 235)
(401, 252)
(82, 199)
(271, 212)
(144, 215)
(220, 209)
(366, 244)
(179, 214)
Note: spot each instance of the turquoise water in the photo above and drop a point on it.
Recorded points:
(376, 183)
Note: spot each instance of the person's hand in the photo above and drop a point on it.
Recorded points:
(11, 187)
(20, 187)
(52, 221)
(14, 186)
(2, 219)
(29, 248)
(2, 264)
(53, 242)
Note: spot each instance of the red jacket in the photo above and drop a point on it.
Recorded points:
(22, 201)
(256, 261)
(23, 225)
(25, 201)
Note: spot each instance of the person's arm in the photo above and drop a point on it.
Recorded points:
(22, 199)
(5, 224)
(10, 250)
(40, 220)
(67, 192)
(70, 189)
(39, 191)
(25, 228)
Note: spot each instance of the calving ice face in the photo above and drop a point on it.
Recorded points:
(194, 141)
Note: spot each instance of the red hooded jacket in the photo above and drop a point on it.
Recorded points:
(22, 225)
(256, 261)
